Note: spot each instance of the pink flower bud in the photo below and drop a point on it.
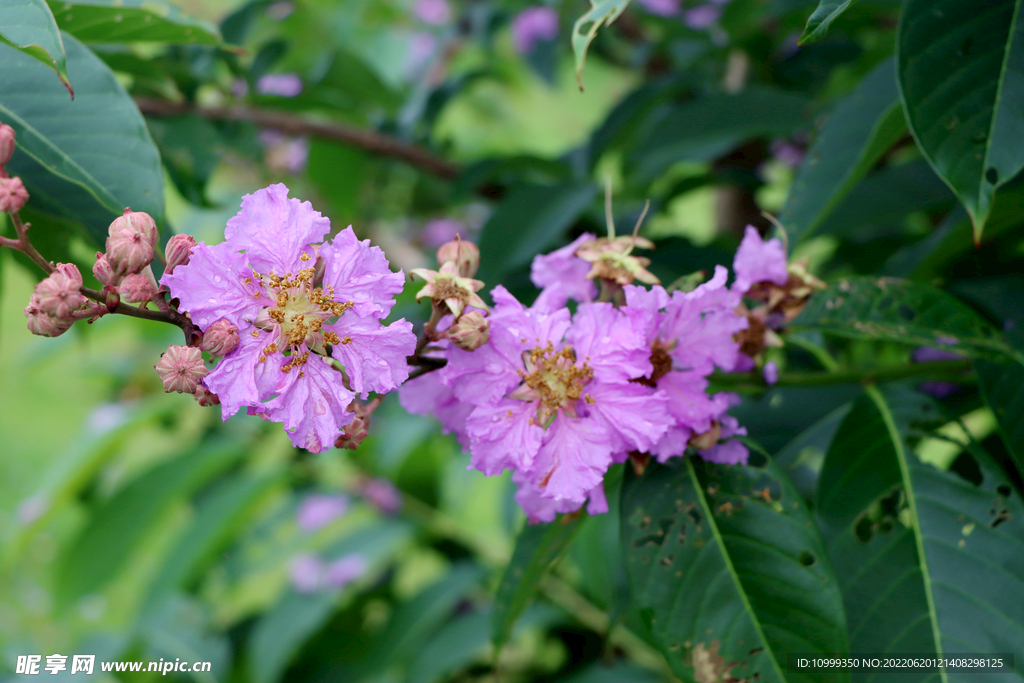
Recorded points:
(59, 294)
(13, 195)
(130, 242)
(137, 287)
(470, 331)
(353, 433)
(102, 270)
(220, 338)
(465, 254)
(180, 369)
(42, 324)
(6, 143)
(179, 250)
(205, 397)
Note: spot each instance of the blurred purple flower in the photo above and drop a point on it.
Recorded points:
(239, 87)
(442, 230)
(285, 153)
(307, 573)
(702, 17)
(786, 152)
(938, 389)
(433, 12)
(282, 85)
(382, 494)
(318, 510)
(421, 46)
(280, 10)
(770, 373)
(531, 25)
(344, 571)
(661, 8)
(930, 354)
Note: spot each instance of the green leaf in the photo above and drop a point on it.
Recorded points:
(529, 220)
(131, 21)
(84, 160)
(537, 547)
(821, 18)
(29, 26)
(601, 12)
(900, 311)
(1002, 385)
(857, 133)
(105, 544)
(960, 67)
(709, 126)
(725, 560)
(925, 557)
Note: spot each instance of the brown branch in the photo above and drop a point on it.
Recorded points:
(369, 140)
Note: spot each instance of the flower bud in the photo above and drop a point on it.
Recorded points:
(137, 287)
(179, 250)
(6, 143)
(102, 270)
(354, 433)
(113, 299)
(42, 324)
(180, 369)
(58, 294)
(130, 242)
(205, 397)
(465, 254)
(470, 331)
(220, 338)
(706, 440)
(13, 195)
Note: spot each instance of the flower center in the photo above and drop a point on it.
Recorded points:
(661, 362)
(553, 379)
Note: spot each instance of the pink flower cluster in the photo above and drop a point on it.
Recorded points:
(302, 308)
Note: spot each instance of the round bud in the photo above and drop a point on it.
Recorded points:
(137, 287)
(179, 250)
(6, 143)
(181, 368)
(465, 254)
(58, 294)
(13, 195)
(220, 338)
(470, 331)
(42, 324)
(102, 270)
(130, 242)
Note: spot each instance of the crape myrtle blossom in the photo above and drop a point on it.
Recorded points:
(300, 306)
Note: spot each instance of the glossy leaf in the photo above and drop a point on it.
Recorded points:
(1002, 385)
(923, 555)
(821, 18)
(29, 26)
(84, 160)
(725, 563)
(961, 73)
(856, 134)
(601, 12)
(903, 312)
(537, 547)
(131, 21)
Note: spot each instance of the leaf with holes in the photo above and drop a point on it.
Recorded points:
(925, 558)
(601, 12)
(856, 134)
(537, 547)
(131, 21)
(729, 572)
(821, 18)
(901, 311)
(29, 26)
(960, 66)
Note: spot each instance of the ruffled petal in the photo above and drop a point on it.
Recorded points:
(759, 260)
(360, 273)
(426, 395)
(274, 230)
(605, 339)
(313, 405)
(374, 356)
(503, 436)
(240, 378)
(573, 459)
(673, 443)
(634, 416)
(212, 286)
(538, 507)
(689, 403)
(727, 453)
(562, 276)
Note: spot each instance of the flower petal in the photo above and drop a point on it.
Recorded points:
(503, 436)
(274, 230)
(212, 286)
(633, 415)
(759, 260)
(374, 356)
(240, 379)
(608, 342)
(426, 395)
(360, 273)
(573, 459)
(313, 405)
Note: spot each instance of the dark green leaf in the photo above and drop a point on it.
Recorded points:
(726, 560)
(821, 18)
(529, 220)
(860, 130)
(537, 547)
(1002, 385)
(131, 21)
(961, 72)
(900, 311)
(84, 160)
(29, 26)
(712, 125)
(601, 12)
(191, 148)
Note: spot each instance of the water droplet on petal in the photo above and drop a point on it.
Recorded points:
(216, 278)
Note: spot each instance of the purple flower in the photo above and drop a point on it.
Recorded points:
(307, 573)
(562, 276)
(731, 452)
(344, 570)
(758, 260)
(702, 17)
(787, 153)
(770, 373)
(265, 279)
(282, 85)
(531, 25)
(930, 354)
(317, 511)
(381, 494)
(661, 8)
(285, 153)
(442, 230)
(427, 395)
(433, 12)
